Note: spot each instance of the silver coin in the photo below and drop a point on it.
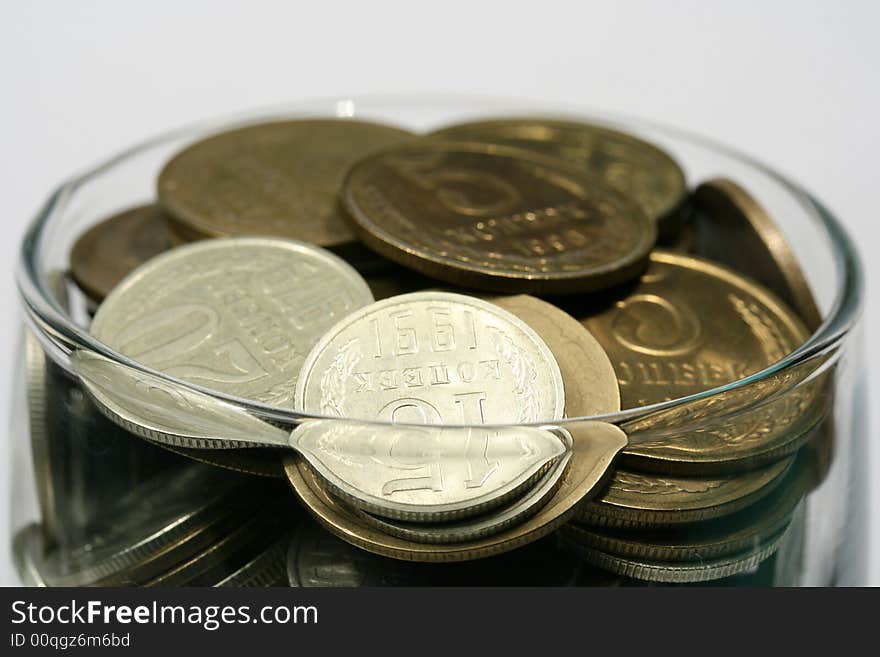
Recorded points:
(432, 358)
(236, 315)
(493, 522)
(269, 568)
(426, 474)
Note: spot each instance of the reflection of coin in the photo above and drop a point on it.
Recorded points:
(108, 252)
(432, 358)
(426, 474)
(277, 179)
(633, 499)
(630, 165)
(735, 533)
(735, 230)
(689, 326)
(491, 522)
(236, 315)
(496, 218)
(589, 379)
(595, 446)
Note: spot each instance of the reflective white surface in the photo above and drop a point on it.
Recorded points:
(790, 83)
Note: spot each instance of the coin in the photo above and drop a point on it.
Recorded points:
(158, 522)
(41, 454)
(27, 553)
(630, 165)
(432, 358)
(595, 446)
(236, 315)
(634, 500)
(426, 474)
(587, 374)
(279, 179)
(735, 230)
(496, 218)
(731, 534)
(679, 572)
(690, 325)
(318, 559)
(490, 522)
(108, 252)
(268, 568)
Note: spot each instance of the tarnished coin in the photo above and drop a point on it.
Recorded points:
(688, 326)
(426, 474)
(490, 522)
(704, 541)
(108, 252)
(630, 165)
(595, 446)
(236, 315)
(587, 374)
(318, 559)
(278, 179)
(635, 500)
(735, 230)
(679, 572)
(432, 358)
(496, 218)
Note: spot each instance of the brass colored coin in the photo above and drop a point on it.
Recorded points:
(595, 446)
(690, 325)
(624, 162)
(634, 500)
(496, 218)
(754, 525)
(108, 252)
(589, 379)
(279, 179)
(736, 231)
(679, 573)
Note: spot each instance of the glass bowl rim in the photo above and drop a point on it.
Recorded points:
(47, 319)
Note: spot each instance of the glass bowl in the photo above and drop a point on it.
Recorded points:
(99, 462)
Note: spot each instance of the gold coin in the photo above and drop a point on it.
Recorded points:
(702, 541)
(595, 446)
(496, 218)
(690, 325)
(587, 375)
(108, 252)
(279, 179)
(622, 161)
(736, 231)
(634, 500)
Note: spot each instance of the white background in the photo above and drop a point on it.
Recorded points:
(793, 83)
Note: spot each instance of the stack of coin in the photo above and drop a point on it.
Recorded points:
(501, 273)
